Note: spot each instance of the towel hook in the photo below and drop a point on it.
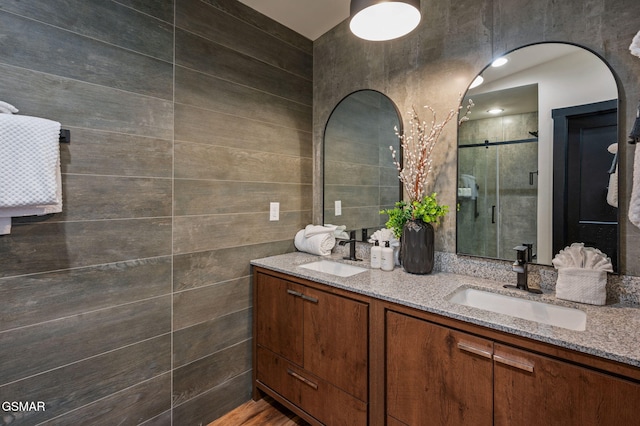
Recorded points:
(65, 136)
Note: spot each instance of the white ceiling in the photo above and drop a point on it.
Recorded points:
(516, 100)
(311, 18)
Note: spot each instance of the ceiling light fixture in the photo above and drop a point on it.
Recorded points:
(476, 82)
(379, 20)
(499, 62)
(495, 110)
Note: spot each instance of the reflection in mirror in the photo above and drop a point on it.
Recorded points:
(535, 160)
(359, 176)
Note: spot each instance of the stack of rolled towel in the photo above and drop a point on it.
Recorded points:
(318, 239)
(582, 274)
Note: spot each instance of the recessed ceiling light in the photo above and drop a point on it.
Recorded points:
(495, 110)
(476, 82)
(499, 62)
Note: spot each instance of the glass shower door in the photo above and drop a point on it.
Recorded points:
(497, 185)
(477, 200)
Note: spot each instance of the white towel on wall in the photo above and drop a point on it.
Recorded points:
(469, 181)
(612, 189)
(7, 108)
(30, 178)
(7, 213)
(634, 204)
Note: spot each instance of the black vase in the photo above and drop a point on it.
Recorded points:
(417, 247)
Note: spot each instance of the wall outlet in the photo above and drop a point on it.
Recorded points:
(274, 211)
(338, 207)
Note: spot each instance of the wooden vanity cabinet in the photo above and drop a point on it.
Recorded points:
(339, 358)
(436, 375)
(441, 376)
(311, 349)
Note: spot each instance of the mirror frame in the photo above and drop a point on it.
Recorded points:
(363, 235)
(619, 140)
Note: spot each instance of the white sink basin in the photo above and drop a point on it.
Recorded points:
(333, 268)
(559, 316)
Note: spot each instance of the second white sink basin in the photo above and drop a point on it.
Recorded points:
(333, 268)
(559, 316)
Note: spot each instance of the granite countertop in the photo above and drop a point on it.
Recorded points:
(612, 331)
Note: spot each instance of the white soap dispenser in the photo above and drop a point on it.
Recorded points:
(376, 253)
(387, 261)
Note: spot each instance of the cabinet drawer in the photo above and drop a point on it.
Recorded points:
(321, 400)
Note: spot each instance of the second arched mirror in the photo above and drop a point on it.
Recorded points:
(536, 162)
(359, 176)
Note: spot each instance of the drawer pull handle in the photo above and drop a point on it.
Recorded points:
(309, 298)
(477, 351)
(513, 363)
(294, 293)
(302, 379)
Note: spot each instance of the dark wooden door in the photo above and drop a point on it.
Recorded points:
(437, 376)
(581, 178)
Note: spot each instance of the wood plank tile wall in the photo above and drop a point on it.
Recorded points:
(187, 118)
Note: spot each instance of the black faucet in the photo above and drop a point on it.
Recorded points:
(352, 246)
(523, 257)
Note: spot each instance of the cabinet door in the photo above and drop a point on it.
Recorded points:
(553, 392)
(279, 311)
(437, 376)
(336, 340)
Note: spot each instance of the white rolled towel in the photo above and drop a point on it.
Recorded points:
(320, 243)
(582, 285)
(311, 230)
(337, 231)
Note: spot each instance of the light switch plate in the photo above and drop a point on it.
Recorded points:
(274, 211)
(338, 207)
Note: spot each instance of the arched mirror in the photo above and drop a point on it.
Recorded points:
(359, 176)
(537, 161)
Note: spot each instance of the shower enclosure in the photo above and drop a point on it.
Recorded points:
(497, 185)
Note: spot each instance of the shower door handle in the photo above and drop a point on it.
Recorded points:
(493, 214)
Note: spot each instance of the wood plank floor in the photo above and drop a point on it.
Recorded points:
(257, 413)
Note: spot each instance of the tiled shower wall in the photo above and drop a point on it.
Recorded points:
(187, 118)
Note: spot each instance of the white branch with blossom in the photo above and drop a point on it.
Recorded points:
(417, 147)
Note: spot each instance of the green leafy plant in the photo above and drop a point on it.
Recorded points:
(398, 216)
(427, 210)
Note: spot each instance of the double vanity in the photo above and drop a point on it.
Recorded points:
(341, 344)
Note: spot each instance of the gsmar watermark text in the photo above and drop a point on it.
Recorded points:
(21, 406)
